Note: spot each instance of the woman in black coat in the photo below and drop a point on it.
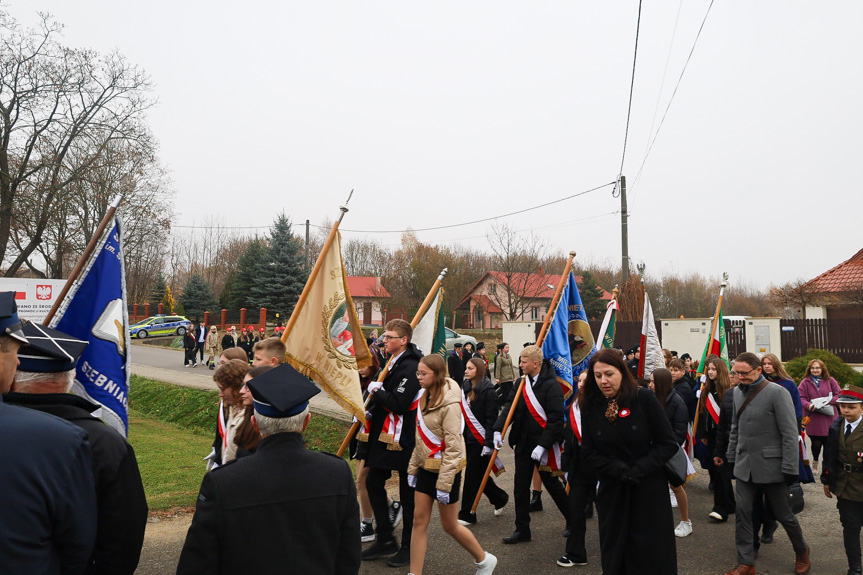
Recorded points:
(678, 416)
(716, 387)
(482, 404)
(626, 440)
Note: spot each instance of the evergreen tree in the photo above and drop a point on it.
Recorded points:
(240, 285)
(281, 275)
(591, 297)
(198, 297)
(158, 291)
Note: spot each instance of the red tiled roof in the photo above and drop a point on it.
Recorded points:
(366, 287)
(845, 277)
(486, 304)
(545, 284)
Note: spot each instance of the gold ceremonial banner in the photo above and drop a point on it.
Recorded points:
(326, 342)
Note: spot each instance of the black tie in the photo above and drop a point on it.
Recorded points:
(847, 430)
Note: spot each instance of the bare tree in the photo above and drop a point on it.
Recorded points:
(60, 109)
(520, 265)
(792, 298)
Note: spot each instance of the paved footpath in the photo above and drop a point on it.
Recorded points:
(708, 551)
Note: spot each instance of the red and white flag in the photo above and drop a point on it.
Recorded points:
(651, 350)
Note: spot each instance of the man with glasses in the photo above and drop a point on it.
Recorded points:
(391, 441)
(763, 449)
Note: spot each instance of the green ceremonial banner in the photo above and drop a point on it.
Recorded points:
(716, 344)
(605, 340)
(429, 334)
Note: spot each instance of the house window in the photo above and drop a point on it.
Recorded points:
(534, 313)
(492, 289)
(478, 314)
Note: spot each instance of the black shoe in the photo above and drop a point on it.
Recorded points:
(395, 511)
(400, 559)
(855, 571)
(380, 548)
(767, 534)
(367, 532)
(517, 537)
(567, 561)
(212, 366)
(588, 510)
(567, 532)
(536, 501)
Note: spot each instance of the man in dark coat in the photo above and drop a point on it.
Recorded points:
(287, 510)
(683, 386)
(391, 441)
(49, 498)
(42, 383)
(454, 364)
(530, 440)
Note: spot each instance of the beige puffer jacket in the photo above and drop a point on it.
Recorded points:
(445, 421)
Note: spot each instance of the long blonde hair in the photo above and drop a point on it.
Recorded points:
(434, 393)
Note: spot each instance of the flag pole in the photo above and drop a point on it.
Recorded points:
(641, 357)
(315, 271)
(709, 342)
(546, 322)
(82, 261)
(417, 317)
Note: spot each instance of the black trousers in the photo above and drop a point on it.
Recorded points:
(524, 467)
(582, 489)
(473, 473)
(851, 517)
(817, 442)
(376, 487)
(200, 349)
(190, 357)
(723, 490)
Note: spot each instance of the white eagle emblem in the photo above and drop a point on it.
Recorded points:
(43, 292)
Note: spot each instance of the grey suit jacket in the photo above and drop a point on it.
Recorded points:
(763, 443)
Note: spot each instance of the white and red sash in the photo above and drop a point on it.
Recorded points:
(391, 431)
(713, 408)
(575, 420)
(434, 444)
(551, 461)
(223, 425)
(478, 431)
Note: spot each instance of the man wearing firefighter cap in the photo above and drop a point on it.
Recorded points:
(287, 509)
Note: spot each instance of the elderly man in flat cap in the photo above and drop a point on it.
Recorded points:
(43, 381)
(48, 507)
(287, 510)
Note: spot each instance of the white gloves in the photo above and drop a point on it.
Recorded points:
(412, 481)
(498, 441)
(212, 460)
(566, 476)
(374, 386)
(537, 453)
(486, 450)
(442, 497)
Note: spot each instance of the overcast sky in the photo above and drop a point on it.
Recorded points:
(439, 113)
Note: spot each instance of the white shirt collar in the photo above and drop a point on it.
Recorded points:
(853, 424)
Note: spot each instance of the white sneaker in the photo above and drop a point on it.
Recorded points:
(673, 498)
(185, 365)
(487, 565)
(683, 528)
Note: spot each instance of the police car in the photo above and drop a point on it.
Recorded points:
(160, 325)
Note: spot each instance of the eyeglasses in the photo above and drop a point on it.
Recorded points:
(743, 373)
(389, 337)
(423, 373)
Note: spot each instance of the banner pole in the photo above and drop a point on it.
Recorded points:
(548, 319)
(417, 317)
(701, 398)
(88, 251)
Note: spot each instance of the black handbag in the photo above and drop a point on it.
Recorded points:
(795, 496)
(675, 469)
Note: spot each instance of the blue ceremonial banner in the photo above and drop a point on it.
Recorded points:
(95, 310)
(568, 344)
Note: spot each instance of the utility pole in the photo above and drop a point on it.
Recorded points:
(308, 261)
(624, 230)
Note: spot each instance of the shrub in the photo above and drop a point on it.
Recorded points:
(839, 370)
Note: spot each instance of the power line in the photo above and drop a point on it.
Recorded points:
(674, 93)
(664, 73)
(417, 229)
(631, 89)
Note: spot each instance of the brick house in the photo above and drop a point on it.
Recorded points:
(484, 305)
(838, 292)
(370, 298)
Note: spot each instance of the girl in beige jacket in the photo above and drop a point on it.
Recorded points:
(435, 467)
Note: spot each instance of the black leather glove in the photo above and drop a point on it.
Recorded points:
(790, 479)
(628, 479)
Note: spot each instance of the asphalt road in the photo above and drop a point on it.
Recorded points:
(709, 550)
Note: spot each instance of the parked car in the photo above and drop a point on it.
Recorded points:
(453, 338)
(160, 325)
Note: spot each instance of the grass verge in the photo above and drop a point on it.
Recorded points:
(172, 429)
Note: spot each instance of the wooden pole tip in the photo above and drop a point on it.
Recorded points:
(572, 253)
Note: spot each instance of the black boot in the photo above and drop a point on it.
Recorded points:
(536, 501)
